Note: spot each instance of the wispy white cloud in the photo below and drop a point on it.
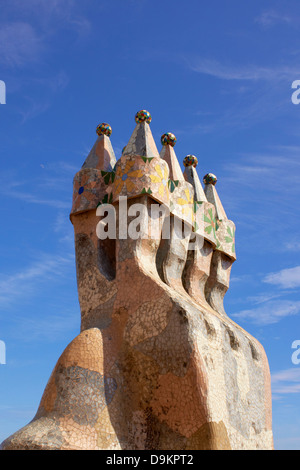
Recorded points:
(28, 280)
(286, 382)
(266, 99)
(270, 18)
(28, 31)
(55, 83)
(32, 110)
(240, 278)
(292, 246)
(37, 279)
(269, 312)
(286, 278)
(49, 327)
(259, 91)
(36, 199)
(265, 172)
(19, 44)
(31, 106)
(247, 72)
(56, 179)
(53, 14)
(264, 297)
(266, 198)
(287, 375)
(63, 227)
(60, 222)
(265, 179)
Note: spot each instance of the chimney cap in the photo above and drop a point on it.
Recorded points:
(190, 160)
(210, 178)
(104, 129)
(168, 139)
(143, 116)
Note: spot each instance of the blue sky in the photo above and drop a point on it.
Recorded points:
(218, 75)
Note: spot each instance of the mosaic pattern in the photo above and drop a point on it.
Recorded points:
(210, 178)
(88, 188)
(158, 364)
(173, 184)
(108, 199)
(205, 222)
(143, 116)
(226, 238)
(190, 160)
(168, 139)
(160, 177)
(225, 229)
(136, 175)
(125, 178)
(231, 238)
(186, 202)
(211, 223)
(147, 159)
(104, 129)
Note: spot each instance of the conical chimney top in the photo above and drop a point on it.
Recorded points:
(210, 181)
(168, 154)
(190, 163)
(102, 156)
(141, 142)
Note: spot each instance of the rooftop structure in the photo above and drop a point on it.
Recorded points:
(158, 364)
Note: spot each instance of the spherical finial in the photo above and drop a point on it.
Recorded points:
(104, 129)
(210, 178)
(168, 139)
(142, 116)
(190, 160)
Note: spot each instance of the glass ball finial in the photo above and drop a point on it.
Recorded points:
(143, 116)
(190, 160)
(168, 139)
(104, 129)
(210, 178)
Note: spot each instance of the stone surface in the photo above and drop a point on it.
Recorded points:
(158, 364)
(191, 175)
(141, 142)
(90, 183)
(224, 255)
